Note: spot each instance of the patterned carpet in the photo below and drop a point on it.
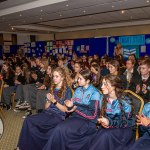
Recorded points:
(12, 126)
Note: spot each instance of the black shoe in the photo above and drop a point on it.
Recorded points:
(3, 105)
(39, 110)
(16, 100)
(8, 107)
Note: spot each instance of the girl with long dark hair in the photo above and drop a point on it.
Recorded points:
(116, 119)
(75, 133)
(37, 128)
(8, 88)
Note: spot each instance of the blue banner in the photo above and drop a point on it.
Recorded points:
(132, 40)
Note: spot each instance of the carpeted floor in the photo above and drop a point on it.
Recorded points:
(12, 126)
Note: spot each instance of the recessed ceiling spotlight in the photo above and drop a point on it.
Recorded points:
(60, 15)
(147, 1)
(20, 15)
(112, 6)
(41, 18)
(67, 5)
(41, 10)
(84, 11)
(12, 28)
(123, 11)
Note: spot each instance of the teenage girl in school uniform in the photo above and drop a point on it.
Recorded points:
(143, 143)
(115, 132)
(37, 128)
(75, 133)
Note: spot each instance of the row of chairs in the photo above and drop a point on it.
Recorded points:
(2, 115)
(138, 103)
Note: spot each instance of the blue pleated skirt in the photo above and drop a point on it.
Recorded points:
(143, 143)
(112, 139)
(72, 134)
(37, 129)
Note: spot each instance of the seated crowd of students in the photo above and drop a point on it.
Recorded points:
(80, 103)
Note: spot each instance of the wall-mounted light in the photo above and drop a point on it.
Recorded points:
(123, 11)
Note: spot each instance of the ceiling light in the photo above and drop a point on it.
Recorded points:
(123, 11)
(41, 10)
(60, 15)
(67, 5)
(41, 18)
(12, 28)
(147, 1)
(84, 11)
(112, 6)
(20, 15)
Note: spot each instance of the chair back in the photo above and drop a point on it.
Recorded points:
(1, 88)
(2, 115)
(138, 101)
(138, 104)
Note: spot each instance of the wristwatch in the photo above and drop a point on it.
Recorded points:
(55, 103)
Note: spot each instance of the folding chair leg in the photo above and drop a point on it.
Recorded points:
(2, 113)
(13, 100)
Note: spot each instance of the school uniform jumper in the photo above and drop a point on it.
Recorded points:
(37, 128)
(119, 134)
(143, 143)
(76, 132)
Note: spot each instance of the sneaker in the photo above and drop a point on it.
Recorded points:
(28, 113)
(16, 110)
(24, 105)
(18, 104)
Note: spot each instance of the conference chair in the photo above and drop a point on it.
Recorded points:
(138, 104)
(2, 115)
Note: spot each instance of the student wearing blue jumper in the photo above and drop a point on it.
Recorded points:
(37, 128)
(143, 143)
(76, 132)
(115, 132)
